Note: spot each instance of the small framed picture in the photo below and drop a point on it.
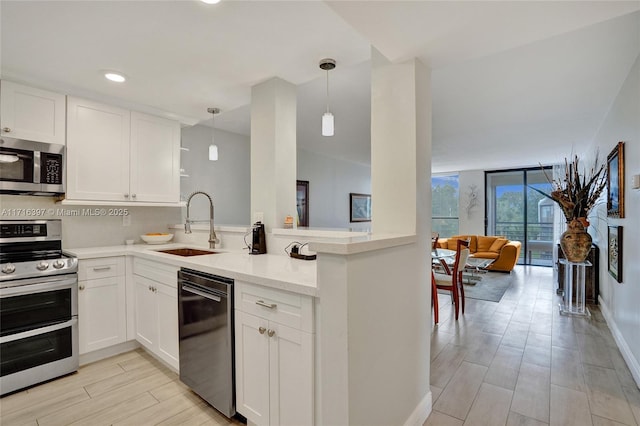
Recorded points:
(614, 249)
(615, 182)
(302, 202)
(360, 207)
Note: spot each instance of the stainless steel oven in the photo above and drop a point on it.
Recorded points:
(33, 168)
(38, 304)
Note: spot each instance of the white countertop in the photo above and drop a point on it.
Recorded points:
(270, 270)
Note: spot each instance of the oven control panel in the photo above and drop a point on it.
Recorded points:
(9, 230)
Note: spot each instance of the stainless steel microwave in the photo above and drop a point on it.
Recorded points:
(31, 168)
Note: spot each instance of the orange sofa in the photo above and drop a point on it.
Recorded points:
(504, 252)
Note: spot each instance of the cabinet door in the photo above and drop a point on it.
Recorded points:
(155, 159)
(252, 367)
(97, 151)
(32, 114)
(101, 313)
(145, 309)
(167, 323)
(291, 376)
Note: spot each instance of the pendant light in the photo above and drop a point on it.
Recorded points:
(213, 148)
(327, 64)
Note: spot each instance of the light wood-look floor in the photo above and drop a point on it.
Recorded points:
(128, 389)
(518, 362)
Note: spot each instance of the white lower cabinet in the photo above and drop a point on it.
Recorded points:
(101, 303)
(156, 309)
(274, 361)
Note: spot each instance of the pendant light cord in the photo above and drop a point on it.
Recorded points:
(327, 90)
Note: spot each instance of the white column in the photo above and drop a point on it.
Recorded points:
(400, 144)
(273, 151)
(374, 306)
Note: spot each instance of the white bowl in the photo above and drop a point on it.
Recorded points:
(156, 239)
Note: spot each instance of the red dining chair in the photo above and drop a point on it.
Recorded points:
(453, 282)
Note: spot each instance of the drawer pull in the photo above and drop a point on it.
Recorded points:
(271, 333)
(102, 268)
(261, 330)
(266, 305)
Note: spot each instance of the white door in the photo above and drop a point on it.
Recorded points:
(101, 313)
(167, 323)
(155, 159)
(97, 151)
(291, 376)
(252, 367)
(145, 311)
(32, 114)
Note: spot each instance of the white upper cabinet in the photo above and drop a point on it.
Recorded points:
(118, 155)
(32, 114)
(97, 151)
(155, 158)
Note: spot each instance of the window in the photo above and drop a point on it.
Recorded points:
(514, 209)
(444, 205)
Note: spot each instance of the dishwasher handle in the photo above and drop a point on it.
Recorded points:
(193, 290)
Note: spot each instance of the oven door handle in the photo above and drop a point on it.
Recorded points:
(38, 285)
(25, 334)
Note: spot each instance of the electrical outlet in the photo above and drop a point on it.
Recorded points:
(126, 220)
(258, 217)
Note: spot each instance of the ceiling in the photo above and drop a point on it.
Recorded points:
(516, 82)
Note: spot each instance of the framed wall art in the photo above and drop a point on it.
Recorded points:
(302, 202)
(360, 207)
(614, 244)
(615, 182)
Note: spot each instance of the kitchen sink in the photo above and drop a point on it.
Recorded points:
(187, 252)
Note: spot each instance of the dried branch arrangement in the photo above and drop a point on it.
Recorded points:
(577, 193)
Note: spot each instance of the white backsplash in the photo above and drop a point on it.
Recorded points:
(82, 230)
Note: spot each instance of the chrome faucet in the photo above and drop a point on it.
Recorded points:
(213, 239)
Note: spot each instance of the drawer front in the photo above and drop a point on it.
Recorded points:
(160, 272)
(104, 267)
(290, 309)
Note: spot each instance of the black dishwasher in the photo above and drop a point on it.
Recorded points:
(205, 311)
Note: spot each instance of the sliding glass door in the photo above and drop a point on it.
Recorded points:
(518, 212)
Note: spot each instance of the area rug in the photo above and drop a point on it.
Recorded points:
(491, 287)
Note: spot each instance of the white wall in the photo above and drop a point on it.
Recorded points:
(92, 231)
(330, 182)
(471, 222)
(227, 180)
(620, 301)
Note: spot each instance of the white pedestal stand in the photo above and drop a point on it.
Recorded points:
(567, 307)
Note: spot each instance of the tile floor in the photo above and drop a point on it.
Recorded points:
(128, 389)
(518, 362)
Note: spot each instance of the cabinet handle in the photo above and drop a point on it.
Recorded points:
(266, 305)
(261, 330)
(150, 288)
(133, 195)
(155, 289)
(102, 268)
(6, 129)
(126, 195)
(81, 287)
(271, 333)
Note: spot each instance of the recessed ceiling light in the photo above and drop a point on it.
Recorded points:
(210, 1)
(114, 76)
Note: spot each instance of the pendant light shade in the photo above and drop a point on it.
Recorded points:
(327, 64)
(213, 152)
(213, 148)
(327, 124)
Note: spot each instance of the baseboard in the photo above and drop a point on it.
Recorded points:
(421, 412)
(100, 354)
(631, 361)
